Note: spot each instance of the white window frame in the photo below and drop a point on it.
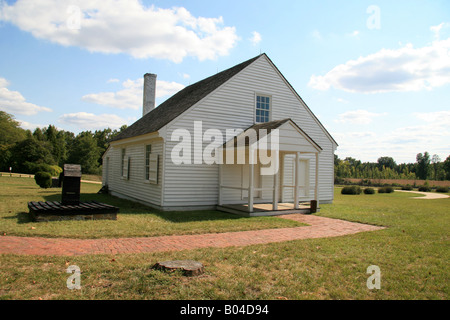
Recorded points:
(123, 163)
(147, 154)
(153, 168)
(256, 106)
(151, 165)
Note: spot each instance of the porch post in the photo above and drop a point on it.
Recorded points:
(275, 182)
(220, 183)
(251, 174)
(316, 186)
(297, 159)
(281, 168)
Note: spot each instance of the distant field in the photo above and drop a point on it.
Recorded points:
(403, 182)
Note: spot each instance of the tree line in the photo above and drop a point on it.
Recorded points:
(27, 152)
(425, 167)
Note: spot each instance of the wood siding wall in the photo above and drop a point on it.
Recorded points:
(232, 106)
(136, 187)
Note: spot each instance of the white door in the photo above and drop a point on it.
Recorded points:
(289, 178)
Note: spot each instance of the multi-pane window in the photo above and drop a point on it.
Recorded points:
(262, 109)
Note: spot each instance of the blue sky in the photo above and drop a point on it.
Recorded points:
(375, 73)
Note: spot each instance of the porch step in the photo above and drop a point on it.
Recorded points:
(261, 213)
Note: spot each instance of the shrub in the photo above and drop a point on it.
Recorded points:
(55, 170)
(386, 190)
(442, 189)
(43, 179)
(36, 167)
(426, 187)
(407, 187)
(369, 191)
(351, 190)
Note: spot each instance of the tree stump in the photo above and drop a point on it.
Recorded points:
(189, 268)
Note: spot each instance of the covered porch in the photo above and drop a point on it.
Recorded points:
(286, 183)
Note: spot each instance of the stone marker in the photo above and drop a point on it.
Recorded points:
(190, 268)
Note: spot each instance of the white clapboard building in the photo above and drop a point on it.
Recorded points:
(181, 156)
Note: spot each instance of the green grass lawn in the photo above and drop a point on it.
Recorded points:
(133, 220)
(412, 254)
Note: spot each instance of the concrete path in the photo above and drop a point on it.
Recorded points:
(319, 227)
(89, 181)
(426, 195)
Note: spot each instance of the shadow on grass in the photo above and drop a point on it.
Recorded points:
(21, 217)
(130, 207)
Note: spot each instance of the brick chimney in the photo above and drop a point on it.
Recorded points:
(149, 93)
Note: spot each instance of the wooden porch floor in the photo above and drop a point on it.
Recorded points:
(265, 209)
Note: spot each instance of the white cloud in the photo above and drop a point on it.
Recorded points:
(355, 34)
(358, 117)
(90, 121)
(317, 35)
(256, 38)
(123, 26)
(427, 132)
(165, 88)
(341, 100)
(437, 29)
(14, 102)
(437, 118)
(112, 81)
(30, 126)
(404, 69)
(130, 97)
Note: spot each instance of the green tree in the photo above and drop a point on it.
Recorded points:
(435, 160)
(103, 137)
(31, 150)
(10, 134)
(85, 152)
(38, 134)
(423, 165)
(386, 162)
(59, 143)
(446, 167)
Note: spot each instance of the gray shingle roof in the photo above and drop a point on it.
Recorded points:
(180, 102)
(269, 126)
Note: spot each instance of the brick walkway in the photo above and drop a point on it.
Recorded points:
(319, 227)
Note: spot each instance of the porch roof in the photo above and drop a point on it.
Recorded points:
(265, 128)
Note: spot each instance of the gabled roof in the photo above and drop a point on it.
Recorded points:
(269, 126)
(304, 103)
(180, 102)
